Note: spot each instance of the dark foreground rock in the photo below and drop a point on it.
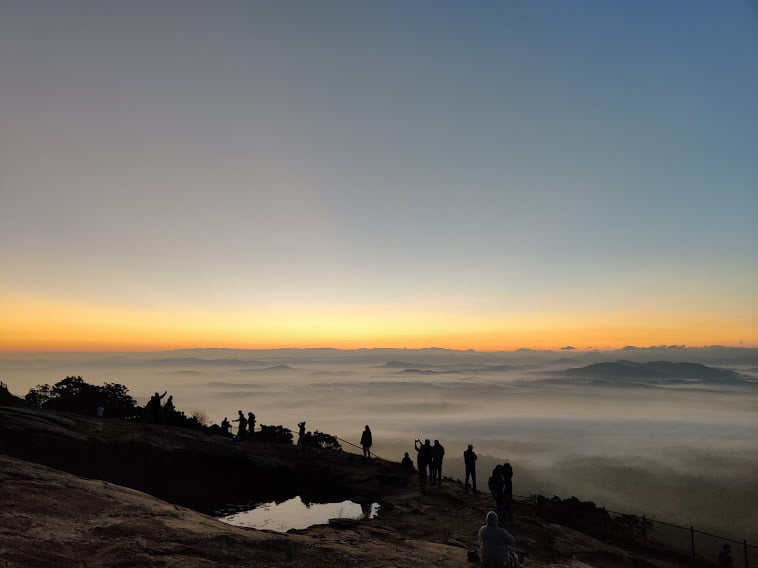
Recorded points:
(91, 508)
(52, 519)
(187, 467)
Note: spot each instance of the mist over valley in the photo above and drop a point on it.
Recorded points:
(669, 432)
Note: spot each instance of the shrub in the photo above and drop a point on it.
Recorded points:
(278, 434)
(320, 440)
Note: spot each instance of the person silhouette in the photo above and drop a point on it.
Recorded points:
(251, 423)
(469, 459)
(226, 426)
(508, 492)
(407, 464)
(153, 408)
(423, 461)
(242, 425)
(168, 410)
(366, 441)
(300, 433)
(496, 484)
(438, 452)
(494, 543)
(725, 557)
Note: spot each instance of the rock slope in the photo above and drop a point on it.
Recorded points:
(186, 467)
(65, 502)
(52, 519)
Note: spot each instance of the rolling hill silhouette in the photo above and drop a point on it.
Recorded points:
(655, 370)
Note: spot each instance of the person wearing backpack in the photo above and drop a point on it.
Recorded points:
(496, 484)
(508, 491)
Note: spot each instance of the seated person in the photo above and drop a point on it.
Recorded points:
(494, 544)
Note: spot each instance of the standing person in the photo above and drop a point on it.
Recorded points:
(153, 408)
(725, 557)
(251, 423)
(366, 441)
(494, 543)
(497, 487)
(226, 426)
(169, 410)
(469, 458)
(438, 452)
(407, 464)
(423, 461)
(300, 433)
(508, 492)
(242, 425)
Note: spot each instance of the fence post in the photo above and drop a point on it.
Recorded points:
(644, 532)
(744, 547)
(692, 540)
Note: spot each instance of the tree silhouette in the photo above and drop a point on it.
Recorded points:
(74, 394)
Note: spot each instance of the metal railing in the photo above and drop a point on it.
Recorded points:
(668, 539)
(359, 447)
(702, 547)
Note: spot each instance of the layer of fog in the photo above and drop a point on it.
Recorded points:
(684, 453)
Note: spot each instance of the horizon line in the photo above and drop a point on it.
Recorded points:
(565, 350)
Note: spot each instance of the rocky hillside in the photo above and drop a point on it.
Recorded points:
(657, 371)
(187, 467)
(54, 519)
(63, 514)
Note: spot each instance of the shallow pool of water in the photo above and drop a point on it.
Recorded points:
(295, 514)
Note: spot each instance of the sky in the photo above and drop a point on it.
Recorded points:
(489, 175)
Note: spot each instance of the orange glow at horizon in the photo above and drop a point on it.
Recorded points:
(53, 326)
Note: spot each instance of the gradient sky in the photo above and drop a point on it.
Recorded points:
(485, 175)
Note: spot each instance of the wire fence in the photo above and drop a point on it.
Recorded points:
(372, 454)
(702, 548)
(698, 549)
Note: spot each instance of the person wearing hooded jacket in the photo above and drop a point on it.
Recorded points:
(494, 543)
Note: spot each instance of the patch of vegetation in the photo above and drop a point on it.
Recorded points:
(73, 394)
(319, 440)
(583, 516)
(277, 434)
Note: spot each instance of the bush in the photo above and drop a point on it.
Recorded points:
(320, 440)
(278, 434)
(584, 516)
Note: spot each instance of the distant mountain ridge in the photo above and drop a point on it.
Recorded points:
(265, 370)
(431, 368)
(666, 370)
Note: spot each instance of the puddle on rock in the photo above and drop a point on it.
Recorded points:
(295, 514)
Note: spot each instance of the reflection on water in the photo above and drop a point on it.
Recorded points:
(295, 514)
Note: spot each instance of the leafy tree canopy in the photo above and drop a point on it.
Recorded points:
(73, 394)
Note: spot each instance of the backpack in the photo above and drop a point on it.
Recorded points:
(496, 485)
